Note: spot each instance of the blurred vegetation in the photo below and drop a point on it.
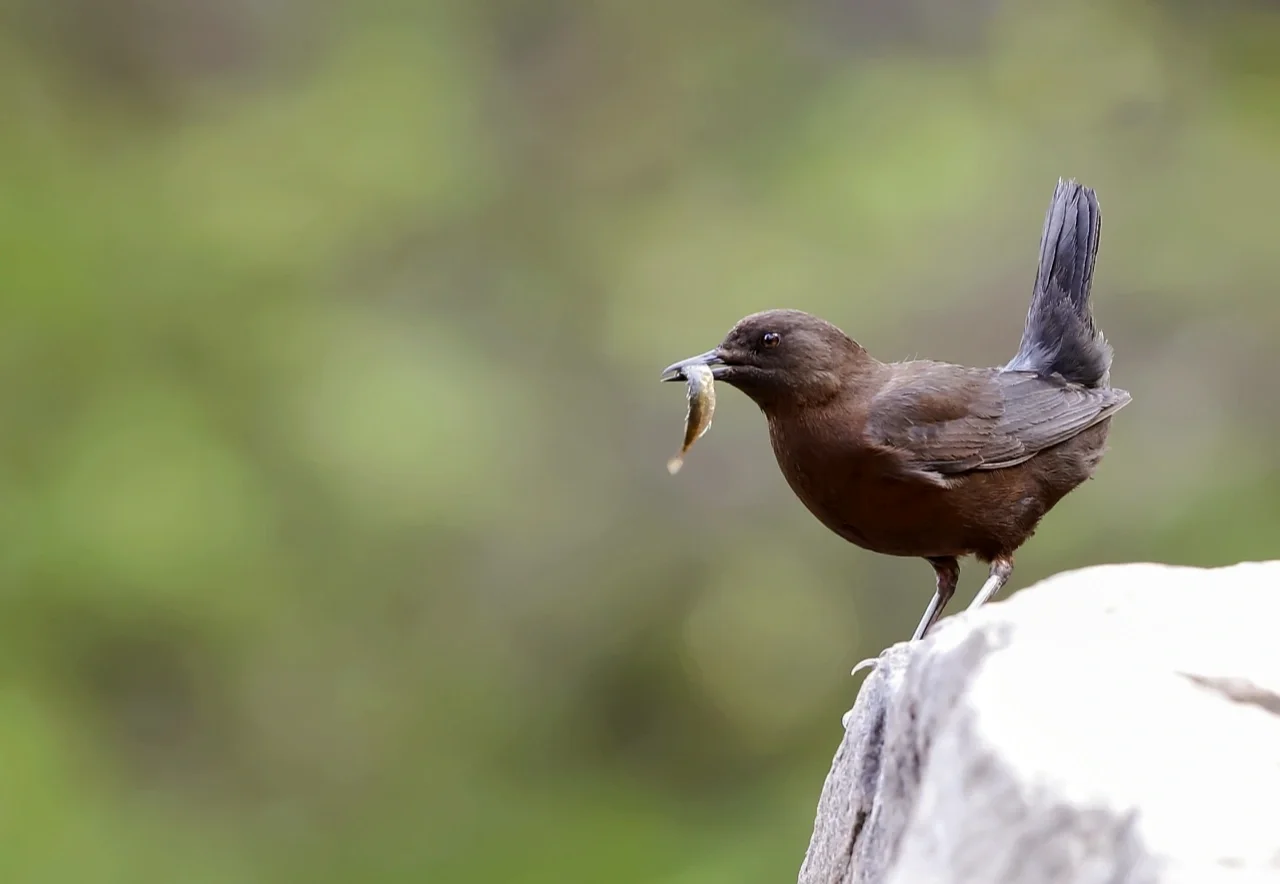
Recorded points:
(337, 542)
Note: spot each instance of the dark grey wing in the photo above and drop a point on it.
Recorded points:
(937, 425)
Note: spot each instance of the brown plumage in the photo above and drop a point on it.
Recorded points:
(927, 458)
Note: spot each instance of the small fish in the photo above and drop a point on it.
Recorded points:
(697, 419)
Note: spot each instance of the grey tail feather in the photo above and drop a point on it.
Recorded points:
(1060, 337)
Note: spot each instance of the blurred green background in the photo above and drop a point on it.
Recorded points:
(337, 539)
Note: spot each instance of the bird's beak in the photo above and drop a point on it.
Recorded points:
(712, 359)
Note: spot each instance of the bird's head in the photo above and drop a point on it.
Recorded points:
(781, 357)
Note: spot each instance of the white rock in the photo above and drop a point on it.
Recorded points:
(1117, 724)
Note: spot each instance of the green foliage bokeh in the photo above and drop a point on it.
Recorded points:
(337, 541)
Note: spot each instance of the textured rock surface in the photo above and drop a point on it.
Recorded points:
(1117, 724)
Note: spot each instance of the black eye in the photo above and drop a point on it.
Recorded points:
(771, 339)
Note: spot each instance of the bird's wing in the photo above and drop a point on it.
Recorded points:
(941, 421)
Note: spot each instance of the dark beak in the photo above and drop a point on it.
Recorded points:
(675, 371)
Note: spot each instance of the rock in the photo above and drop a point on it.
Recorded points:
(1116, 724)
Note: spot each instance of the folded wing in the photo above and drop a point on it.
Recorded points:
(940, 421)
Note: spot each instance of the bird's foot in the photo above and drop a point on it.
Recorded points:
(869, 663)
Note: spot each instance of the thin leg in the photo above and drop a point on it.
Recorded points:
(947, 570)
(1001, 568)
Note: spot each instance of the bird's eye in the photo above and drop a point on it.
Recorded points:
(771, 340)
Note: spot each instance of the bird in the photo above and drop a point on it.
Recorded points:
(929, 459)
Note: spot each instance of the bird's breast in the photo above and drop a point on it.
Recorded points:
(833, 477)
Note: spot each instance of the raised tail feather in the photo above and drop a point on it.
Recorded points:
(1060, 337)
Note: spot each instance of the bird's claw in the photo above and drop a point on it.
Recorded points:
(869, 663)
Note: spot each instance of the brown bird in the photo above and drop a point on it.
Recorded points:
(927, 458)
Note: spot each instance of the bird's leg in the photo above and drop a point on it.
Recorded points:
(1001, 568)
(947, 570)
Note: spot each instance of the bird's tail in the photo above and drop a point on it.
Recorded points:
(1060, 337)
